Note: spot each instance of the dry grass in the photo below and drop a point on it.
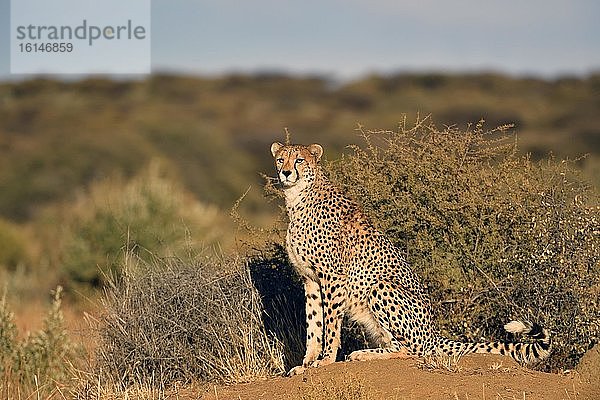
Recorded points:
(173, 321)
(439, 361)
(348, 388)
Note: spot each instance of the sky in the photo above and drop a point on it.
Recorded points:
(346, 39)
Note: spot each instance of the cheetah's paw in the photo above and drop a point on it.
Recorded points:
(359, 355)
(325, 361)
(297, 370)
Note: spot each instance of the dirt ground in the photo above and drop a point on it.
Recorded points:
(476, 377)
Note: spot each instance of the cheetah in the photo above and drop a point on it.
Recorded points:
(350, 268)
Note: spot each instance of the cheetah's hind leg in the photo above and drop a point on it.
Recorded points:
(379, 332)
(382, 353)
(396, 317)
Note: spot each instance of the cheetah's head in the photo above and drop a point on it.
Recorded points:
(296, 164)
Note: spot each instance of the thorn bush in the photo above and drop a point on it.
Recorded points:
(494, 235)
(170, 321)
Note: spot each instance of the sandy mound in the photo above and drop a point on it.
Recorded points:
(475, 377)
(589, 370)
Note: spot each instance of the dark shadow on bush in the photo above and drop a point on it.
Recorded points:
(282, 296)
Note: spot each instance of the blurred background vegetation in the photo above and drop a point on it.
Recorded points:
(59, 137)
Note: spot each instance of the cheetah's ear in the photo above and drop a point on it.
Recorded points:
(275, 148)
(316, 150)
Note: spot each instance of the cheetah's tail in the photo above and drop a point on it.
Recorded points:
(523, 353)
(527, 353)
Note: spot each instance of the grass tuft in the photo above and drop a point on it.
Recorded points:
(439, 361)
(171, 321)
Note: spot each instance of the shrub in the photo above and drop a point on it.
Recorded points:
(41, 360)
(494, 235)
(171, 321)
(148, 215)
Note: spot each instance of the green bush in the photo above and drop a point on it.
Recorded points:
(39, 362)
(494, 235)
(148, 215)
(172, 320)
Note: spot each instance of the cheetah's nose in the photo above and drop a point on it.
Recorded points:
(286, 173)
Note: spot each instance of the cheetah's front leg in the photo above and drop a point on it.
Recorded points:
(314, 326)
(334, 304)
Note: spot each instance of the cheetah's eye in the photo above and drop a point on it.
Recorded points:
(279, 160)
(299, 160)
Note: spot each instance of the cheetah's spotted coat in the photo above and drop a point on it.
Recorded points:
(350, 267)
